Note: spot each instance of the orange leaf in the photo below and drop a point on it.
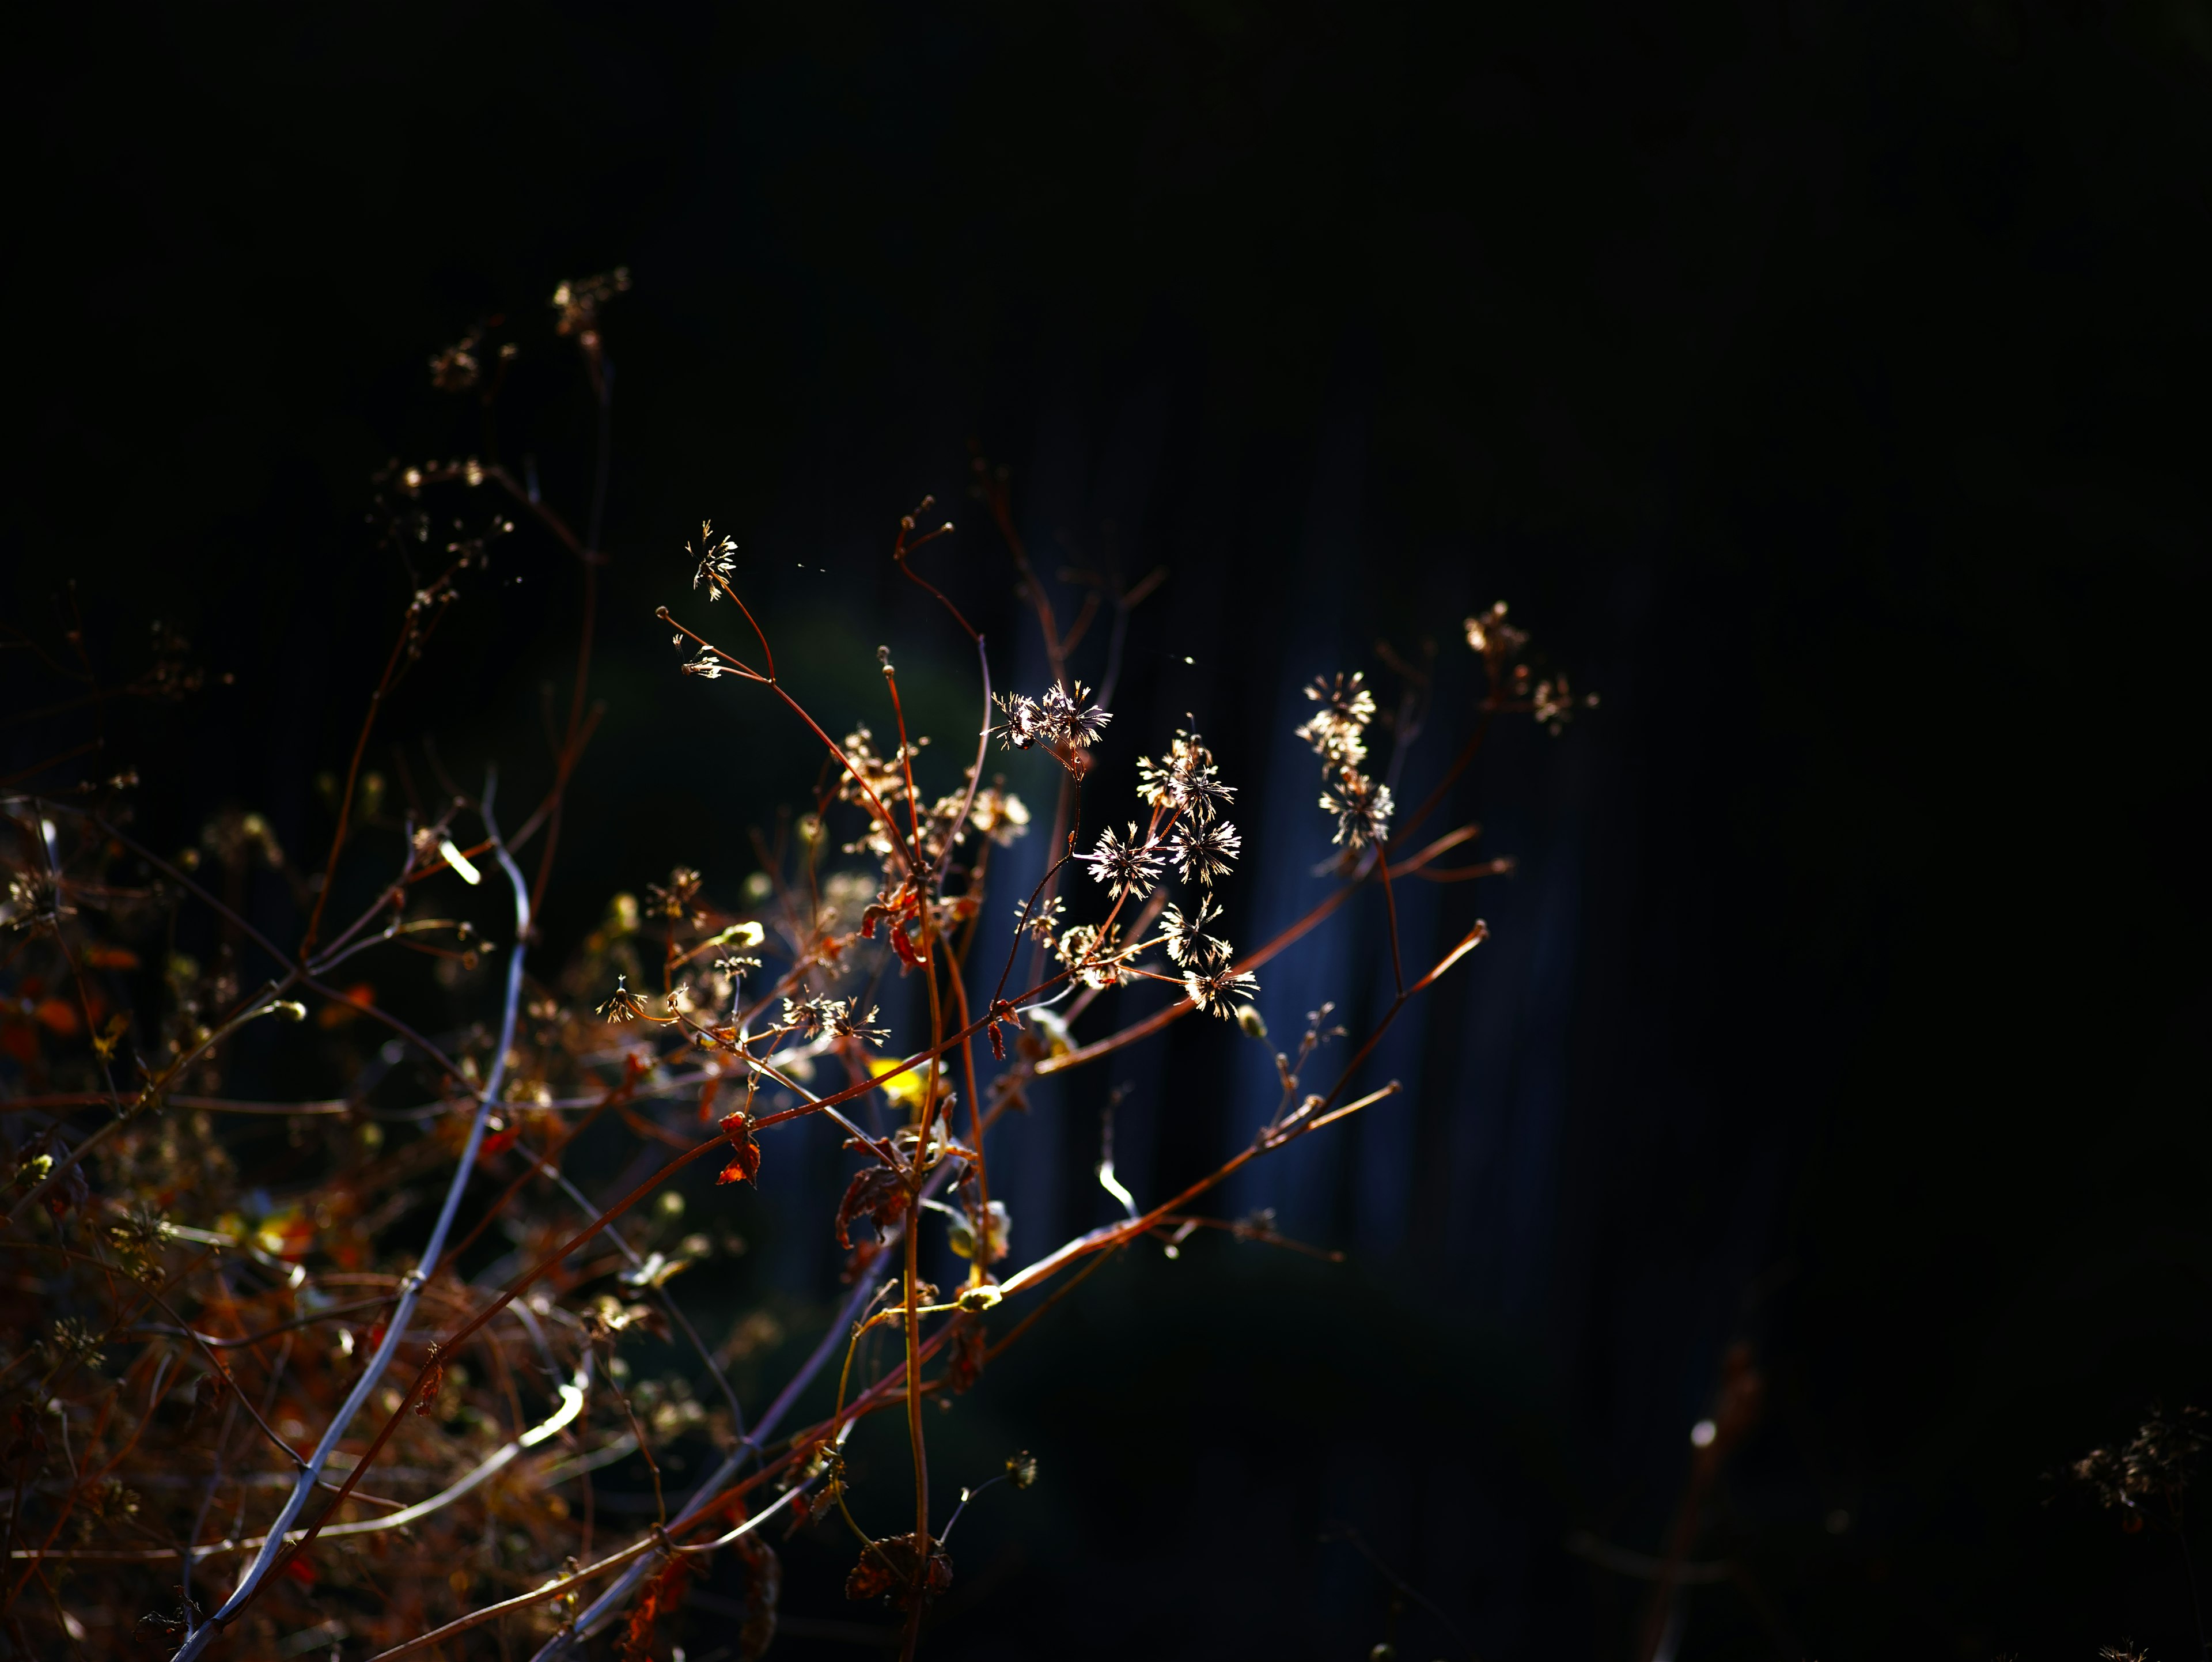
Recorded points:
(744, 1165)
(359, 996)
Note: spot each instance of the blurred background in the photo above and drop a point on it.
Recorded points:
(1823, 386)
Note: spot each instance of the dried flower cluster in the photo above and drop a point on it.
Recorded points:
(2154, 1465)
(281, 1377)
(1061, 722)
(1514, 684)
(1337, 730)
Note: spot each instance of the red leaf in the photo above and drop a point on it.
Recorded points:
(664, 1592)
(877, 1194)
(745, 1165)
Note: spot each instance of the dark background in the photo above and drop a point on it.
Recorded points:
(1822, 384)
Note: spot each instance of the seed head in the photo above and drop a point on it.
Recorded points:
(622, 1005)
(1362, 808)
(1184, 780)
(1129, 866)
(1188, 943)
(1219, 990)
(1337, 730)
(716, 559)
(1203, 850)
(1059, 720)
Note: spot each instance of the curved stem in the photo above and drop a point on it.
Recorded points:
(411, 1289)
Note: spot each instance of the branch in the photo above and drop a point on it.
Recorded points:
(197, 1642)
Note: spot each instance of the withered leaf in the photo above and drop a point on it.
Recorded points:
(432, 1387)
(662, 1596)
(886, 1570)
(877, 1194)
(745, 1159)
(207, 1396)
(764, 1573)
(966, 1364)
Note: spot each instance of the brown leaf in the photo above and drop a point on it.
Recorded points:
(432, 1385)
(966, 1364)
(207, 1396)
(887, 1570)
(877, 1194)
(744, 1164)
(763, 1574)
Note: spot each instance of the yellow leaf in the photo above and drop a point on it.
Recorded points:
(906, 1089)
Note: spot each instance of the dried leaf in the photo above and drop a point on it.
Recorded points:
(662, 1594)
(877, 1194)
(744, 1164)
(965, 1364)
(764, 1573)
(207, 1396)
(432, 1385)
(887, 1570)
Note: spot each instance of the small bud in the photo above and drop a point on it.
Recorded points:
(979, 1298)
(1248, 1018)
